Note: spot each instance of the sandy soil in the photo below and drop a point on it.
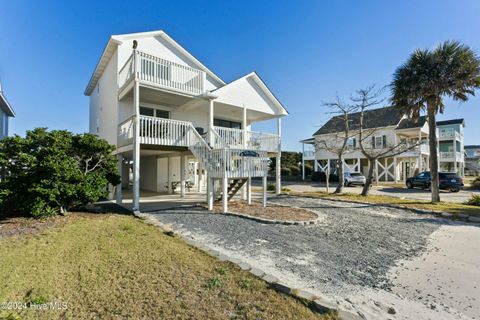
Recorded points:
(447, 274)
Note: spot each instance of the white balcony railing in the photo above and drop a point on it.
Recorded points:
(451, 156)
(234, 138)
(308, 154)
(449, 135)
(162, 73)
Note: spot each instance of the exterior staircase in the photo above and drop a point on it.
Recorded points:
(233, 187)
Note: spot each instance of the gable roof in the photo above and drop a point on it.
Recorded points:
(472, 146)
(115, 40)
(374, 118)
(448, 122)
(4, 105)
(231, 87)
(409, 123)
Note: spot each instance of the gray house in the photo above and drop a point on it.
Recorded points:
(6, 111)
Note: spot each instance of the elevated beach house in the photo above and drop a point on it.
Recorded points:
(6, 112)
(387, 127)
(176, 124)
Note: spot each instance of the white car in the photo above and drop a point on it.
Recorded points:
(352, 178)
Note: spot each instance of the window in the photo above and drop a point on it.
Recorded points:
(351, 144)
(144, 111)
(227, 124)
(379, 142)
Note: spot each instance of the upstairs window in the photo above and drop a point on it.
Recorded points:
(379, 142)
(227, 124)
(151, 112)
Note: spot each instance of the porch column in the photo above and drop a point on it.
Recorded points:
(209, 193)
(376, 172)
(225, 194)
(359, 168)
(210, 121)
(420, 160)
(395, 169)
(245, 145)
(249, 191)
(182, 175)
(169, 168)
(264, 191)
(278, 178)
(136, 146)
(455, 162)
(119, 186)
(386, 169)
(200, 177)
(303, 161)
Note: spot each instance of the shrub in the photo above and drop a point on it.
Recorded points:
(474, 200)
(294, 171)
(476, 183)
(271, 186)
(308, 169)
(52, 172)
(319, 176)
(285, 171)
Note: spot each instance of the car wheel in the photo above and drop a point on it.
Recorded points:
(346, 183)
(454, 189)
(409, 185)
(429, 187)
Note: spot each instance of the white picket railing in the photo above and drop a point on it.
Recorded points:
(449, 134)
(162, 73)
(221, 161)
(260, 141)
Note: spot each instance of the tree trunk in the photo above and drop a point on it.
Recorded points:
(432, 137)
(369, 180)
(340, 175)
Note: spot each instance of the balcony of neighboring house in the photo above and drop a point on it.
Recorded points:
(449, 134)
(450, 156)
(160, 74)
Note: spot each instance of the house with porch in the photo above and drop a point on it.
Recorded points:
(386, 127)
(472, 159)
(6, 112)
(177, 125)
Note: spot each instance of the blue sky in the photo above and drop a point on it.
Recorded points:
(306, 51)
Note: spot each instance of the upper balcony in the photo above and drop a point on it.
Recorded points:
(449, 135)
(160, 73)
(451, 156)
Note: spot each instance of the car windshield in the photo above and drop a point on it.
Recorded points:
(356, 174)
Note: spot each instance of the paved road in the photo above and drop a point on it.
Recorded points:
(386, 190)
(345, 257)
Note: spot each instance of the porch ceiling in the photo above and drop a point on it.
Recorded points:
(159, 97)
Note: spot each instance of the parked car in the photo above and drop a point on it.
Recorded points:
(447, 181)
(352, 178)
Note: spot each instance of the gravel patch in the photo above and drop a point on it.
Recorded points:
(353, 248)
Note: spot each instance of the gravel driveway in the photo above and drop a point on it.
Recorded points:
(352, 250)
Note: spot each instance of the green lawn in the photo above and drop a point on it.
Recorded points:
(450, 207)
(115, 266)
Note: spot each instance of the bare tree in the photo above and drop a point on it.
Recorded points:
(364, 100)
(338, 143)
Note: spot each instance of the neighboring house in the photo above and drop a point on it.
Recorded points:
(6, 111)
(389, 126)
(175, 123)
(451, 146)
(472, 159)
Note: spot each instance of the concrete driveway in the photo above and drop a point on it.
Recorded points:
(382, 263)
(387, 190)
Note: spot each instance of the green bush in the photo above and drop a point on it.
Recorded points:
(295, 171)
(286, 172)
(320, 176)
(476, 183)
(271, 186)
(474, 200)
(52, 172)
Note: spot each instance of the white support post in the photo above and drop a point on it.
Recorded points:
(169, 182)
(386, 169)
(303, 161)
(182, 175)
(210, 121)
(119, 186)
(359, 169)
(264, 191)
(200, 177)
(249, 191)
(395, 169)
(136, 147)
(376, 172)
(210, 193)
(278, 177)
(244, 133)
(225, 194)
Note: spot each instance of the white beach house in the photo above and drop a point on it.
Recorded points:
(390, 126)
(178, 125)
(6, 112)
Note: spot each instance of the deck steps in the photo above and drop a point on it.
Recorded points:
(233, 187)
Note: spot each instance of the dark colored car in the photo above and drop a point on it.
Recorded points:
(447, 181)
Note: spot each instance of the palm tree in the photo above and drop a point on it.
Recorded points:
(449, 70)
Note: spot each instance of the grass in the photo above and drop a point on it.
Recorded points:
(115, 266)
(453, 208)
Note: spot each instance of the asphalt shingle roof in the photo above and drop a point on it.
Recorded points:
(447, 122)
